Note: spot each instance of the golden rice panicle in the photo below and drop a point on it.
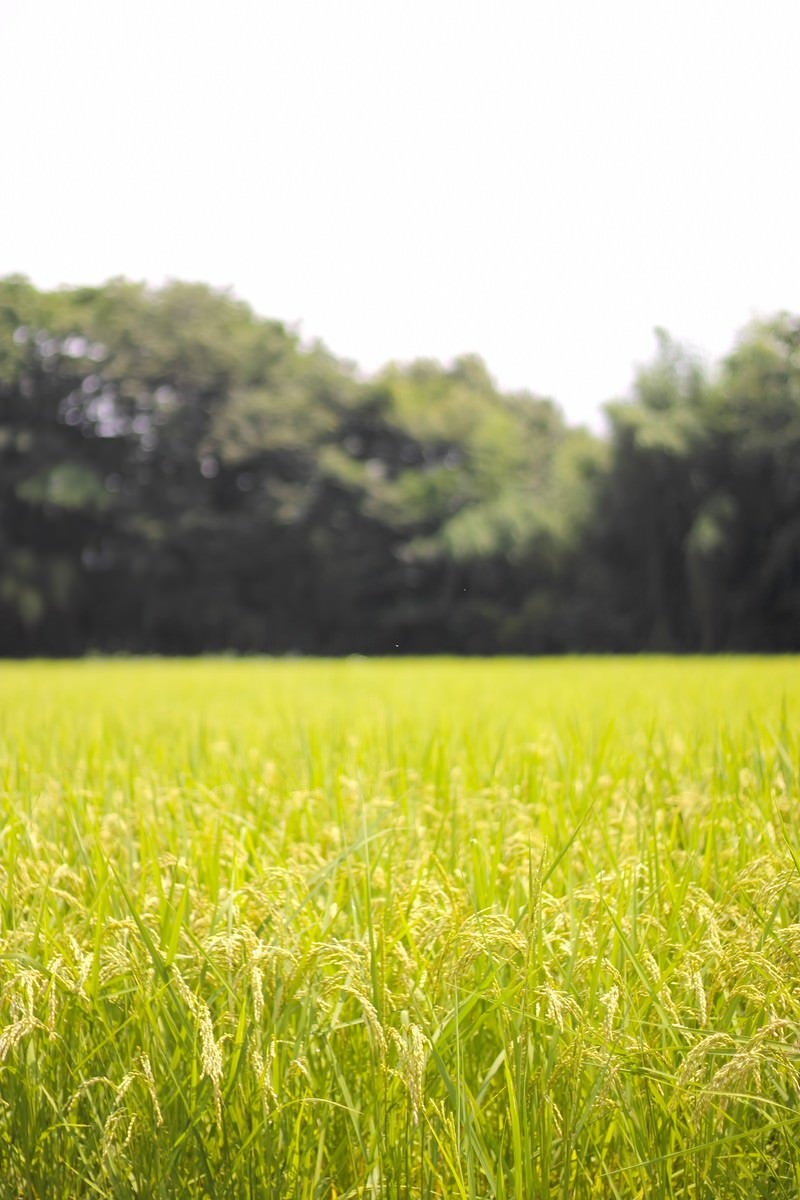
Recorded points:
(150, 1083)
(262, 1068)
(22, 1003)
(696, 1063)
(211, 1059)
(257, 990)
(413, 1047)
(700, 997)
(610, 1003)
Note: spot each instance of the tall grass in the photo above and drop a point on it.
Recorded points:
(408, 929)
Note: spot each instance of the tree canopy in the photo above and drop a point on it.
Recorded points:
(180, 475)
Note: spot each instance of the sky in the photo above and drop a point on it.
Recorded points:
(541, 182)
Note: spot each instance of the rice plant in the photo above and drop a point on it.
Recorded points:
(399, 929)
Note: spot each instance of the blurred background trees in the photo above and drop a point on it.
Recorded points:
(178, 475)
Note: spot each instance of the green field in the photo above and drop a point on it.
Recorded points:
(400, 929)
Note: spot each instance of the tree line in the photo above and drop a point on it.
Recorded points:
(180, 475)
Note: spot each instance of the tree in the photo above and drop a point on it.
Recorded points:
(180, 475)
(647, 504)
(754, 427)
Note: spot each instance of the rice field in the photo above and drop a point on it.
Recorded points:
(405, 929)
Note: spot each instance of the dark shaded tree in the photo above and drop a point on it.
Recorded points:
(180, 475)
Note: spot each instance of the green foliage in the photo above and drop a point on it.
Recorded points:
(206, 482)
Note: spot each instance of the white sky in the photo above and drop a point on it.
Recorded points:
(537, 181)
